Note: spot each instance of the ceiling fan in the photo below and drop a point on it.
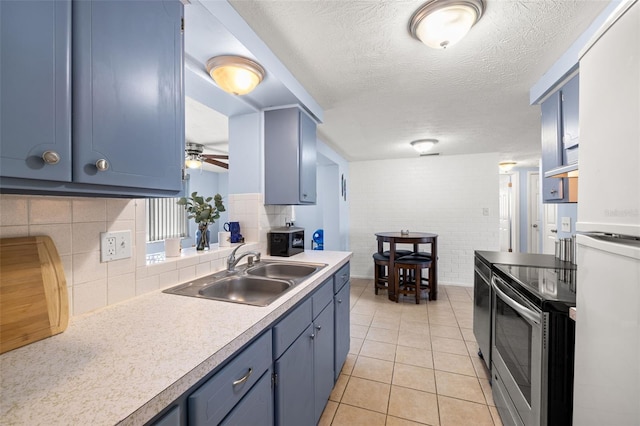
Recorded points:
(194, 157)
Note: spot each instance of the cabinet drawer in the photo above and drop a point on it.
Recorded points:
(256, 408)
(213, 400)
(290, 327)
(322, 297)
(340, 278)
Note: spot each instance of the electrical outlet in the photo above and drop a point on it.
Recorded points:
(565, 224)
(111, 246)
(485, 211)
(115, 245)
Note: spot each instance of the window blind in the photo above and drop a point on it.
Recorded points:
(165, 219)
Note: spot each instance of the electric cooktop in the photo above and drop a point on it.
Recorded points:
(549, 289)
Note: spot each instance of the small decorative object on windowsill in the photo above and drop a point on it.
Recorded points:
(203, 213)
(403, 232)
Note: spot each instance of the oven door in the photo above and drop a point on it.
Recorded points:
(516, 355)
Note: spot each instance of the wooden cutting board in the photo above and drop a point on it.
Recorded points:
(33, 291)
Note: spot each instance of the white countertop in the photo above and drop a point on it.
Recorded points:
(126, 362)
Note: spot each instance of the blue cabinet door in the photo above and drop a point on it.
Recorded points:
(570, 123)
(342, 328)
(323, 358)
(128, 108)
(294, 391)
(552, 188)
(35, 83)
(290, 157)
(307, 159)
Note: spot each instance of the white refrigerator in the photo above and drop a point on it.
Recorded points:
(607, 359)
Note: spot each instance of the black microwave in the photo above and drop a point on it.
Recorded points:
(285, 241)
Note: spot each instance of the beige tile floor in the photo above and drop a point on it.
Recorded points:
(411, 364)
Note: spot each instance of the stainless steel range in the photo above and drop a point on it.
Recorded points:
(532, 345)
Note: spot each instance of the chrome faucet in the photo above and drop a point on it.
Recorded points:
(232, 260)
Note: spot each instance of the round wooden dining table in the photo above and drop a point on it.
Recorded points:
(415, 238)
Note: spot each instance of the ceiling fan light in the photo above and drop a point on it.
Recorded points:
(235, 74)
(192, 157)
(193, 163)
(423, 146)
(443, 23)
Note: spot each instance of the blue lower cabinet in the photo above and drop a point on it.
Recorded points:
(284, 377)
(294, 390)
(256, 408)
(342, 327)
(323, 359)
(218, 396)
(172, 418)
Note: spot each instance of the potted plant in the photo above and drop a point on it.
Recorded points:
(203, 213)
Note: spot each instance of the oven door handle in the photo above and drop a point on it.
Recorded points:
(527, 313)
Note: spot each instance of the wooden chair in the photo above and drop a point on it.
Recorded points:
(381, 268)
(408, 276)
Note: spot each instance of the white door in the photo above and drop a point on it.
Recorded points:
(550, 228)
(506, 242)
(533, 207)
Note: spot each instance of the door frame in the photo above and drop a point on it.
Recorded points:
(531, 208)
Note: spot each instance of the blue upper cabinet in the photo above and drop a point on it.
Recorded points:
(570, 122)
(35, 89)
(552, 188)
(118, 124)
(127, 93)
(560, 142)
(290, 157)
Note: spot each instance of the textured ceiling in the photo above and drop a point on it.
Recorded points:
(381, 89)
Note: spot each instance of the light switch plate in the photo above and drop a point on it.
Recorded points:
(115, 245)
(566, 224)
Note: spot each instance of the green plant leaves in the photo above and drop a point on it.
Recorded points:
(199, 208)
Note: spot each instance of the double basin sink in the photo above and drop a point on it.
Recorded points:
(258, 284)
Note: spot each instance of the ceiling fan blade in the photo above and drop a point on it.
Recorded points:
(216, 163)
(222, 157)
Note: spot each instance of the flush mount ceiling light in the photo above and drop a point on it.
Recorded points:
(235, 74)
(193, 155)
(443, 23)
(506, 166)
(423, 145)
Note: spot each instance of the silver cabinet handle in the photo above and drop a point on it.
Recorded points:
(244, 378)
(554, 191)
(535, 225)
(555, 231)
(339, 300)
(51, 157)
(318, 327)
(102, 165)
(313, 336)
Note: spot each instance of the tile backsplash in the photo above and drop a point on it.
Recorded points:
(75, 224)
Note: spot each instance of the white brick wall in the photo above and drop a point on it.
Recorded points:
(444, 195)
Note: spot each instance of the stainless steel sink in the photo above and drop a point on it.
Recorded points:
(246, 289)
(284, 271)
(257, 285)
